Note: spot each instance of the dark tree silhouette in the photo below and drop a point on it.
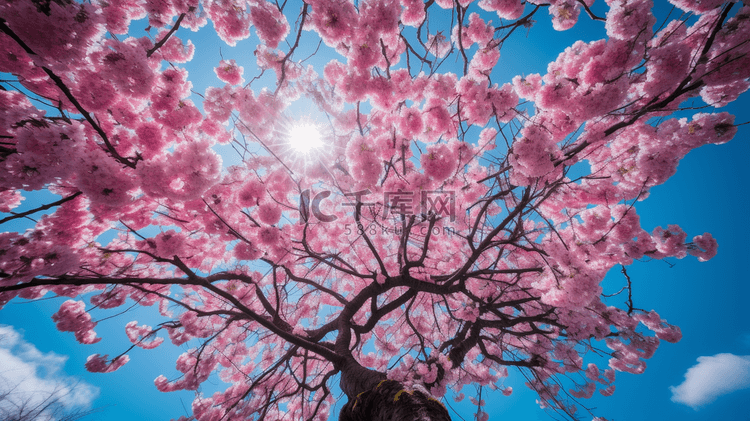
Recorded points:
(16, 405)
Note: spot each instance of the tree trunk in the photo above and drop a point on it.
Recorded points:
(356, 379)
(374, 398)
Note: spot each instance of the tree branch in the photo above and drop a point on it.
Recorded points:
(129, 162)
(40, 208)
(174, 29)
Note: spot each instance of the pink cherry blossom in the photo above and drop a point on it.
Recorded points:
(72, 317)
(456, 223)
(506, 9)
(270, 24)
(9, 200)
(229, 72)
(413, 13)
(101, 364)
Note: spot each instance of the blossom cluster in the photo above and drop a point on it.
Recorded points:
(545, 174)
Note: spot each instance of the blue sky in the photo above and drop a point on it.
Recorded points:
(709, 193)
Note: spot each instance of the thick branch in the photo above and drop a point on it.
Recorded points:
(196, 281)
(40, 208)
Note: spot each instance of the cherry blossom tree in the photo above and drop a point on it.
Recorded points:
(447, 227)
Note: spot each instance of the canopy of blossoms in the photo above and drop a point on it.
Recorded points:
(442, 229)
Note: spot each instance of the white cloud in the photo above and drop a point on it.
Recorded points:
(712, 377)
(31, 378)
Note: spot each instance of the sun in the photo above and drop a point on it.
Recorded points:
(304, 137)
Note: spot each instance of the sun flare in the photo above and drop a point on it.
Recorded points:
(305, 136)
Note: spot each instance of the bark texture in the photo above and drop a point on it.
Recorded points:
(390, 400)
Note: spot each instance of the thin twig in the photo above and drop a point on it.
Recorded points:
(174, 29)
